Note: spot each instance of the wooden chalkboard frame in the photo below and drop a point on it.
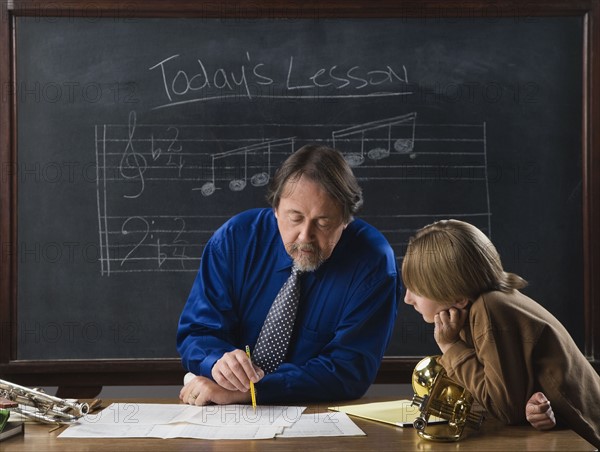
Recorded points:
(93, 374)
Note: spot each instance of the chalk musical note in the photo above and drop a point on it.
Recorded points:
(379, 137)
(236, 162)
(133, 164)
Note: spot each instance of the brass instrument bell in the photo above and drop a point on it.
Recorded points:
(438, 395)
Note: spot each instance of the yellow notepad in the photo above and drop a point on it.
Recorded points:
(396, 412)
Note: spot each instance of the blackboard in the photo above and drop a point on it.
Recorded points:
(136, 138)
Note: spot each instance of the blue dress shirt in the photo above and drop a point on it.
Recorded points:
(345, 317)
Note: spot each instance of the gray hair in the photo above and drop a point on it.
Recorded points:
(325, 166)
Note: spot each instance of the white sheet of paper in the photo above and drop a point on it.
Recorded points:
(216, 415)
(146, 420)
(170, 431)
(135, 413)
(322, 424)
(82, 430)
(219, 415)
(211, 432)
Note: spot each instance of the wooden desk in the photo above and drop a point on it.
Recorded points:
(379, 437)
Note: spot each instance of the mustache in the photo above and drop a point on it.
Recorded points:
(302, 247)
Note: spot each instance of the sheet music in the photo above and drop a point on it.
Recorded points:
(239, 422)
(150, 174)
(322, 424)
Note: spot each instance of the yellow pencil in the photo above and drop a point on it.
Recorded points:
(252, 391)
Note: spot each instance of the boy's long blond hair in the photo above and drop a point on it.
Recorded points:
(449, 260)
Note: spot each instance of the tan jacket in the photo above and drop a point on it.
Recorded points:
(514, 347)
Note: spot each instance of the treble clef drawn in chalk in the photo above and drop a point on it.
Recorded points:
(234, 165)
(379, 138)
(133, 164)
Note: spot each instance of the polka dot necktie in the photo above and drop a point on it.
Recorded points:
(274, 337)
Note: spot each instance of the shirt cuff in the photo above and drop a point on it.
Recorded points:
(207, 364)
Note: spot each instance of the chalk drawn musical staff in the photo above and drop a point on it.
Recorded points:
(234, 165)
(379, 138)
(163, 189)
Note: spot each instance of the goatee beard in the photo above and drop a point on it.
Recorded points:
(303, 263)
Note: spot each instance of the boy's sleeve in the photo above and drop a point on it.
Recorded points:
(495, 370)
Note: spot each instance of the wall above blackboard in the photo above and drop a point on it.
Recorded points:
(135, 139)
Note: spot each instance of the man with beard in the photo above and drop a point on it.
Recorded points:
(349, 290)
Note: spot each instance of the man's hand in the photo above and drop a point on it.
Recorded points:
(447, 327)
(203, 391)
(234, 371)
(539, 412)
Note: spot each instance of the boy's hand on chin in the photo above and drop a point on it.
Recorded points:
(447, 327)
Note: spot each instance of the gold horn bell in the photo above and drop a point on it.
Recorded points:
(438, 395)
